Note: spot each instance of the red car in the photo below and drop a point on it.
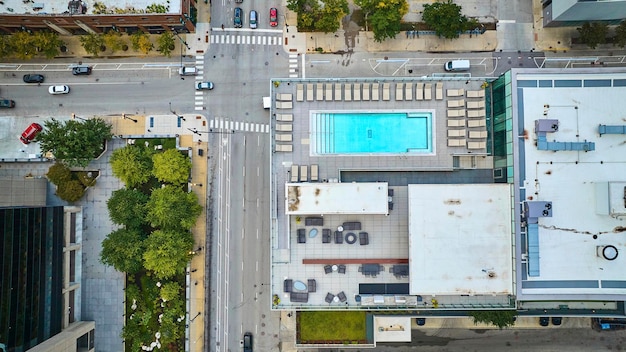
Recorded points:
(273, 17)
(30, 133)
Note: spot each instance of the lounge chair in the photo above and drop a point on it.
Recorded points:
(456, 112)
(329, 297)
(329, 92)
(408, 91)
(439, 91)
(319, 96)
(338, 237)
(456, 142)
(284, 148)
(366, 91)
(364, 238)
(299, 92)
(456, 103)
(337, 91)
(351, 225)
(311, 285)
(476, 113)
(476, 123)
(347, 92)
(455, 92)
(300, 297)
(309, 92)
(375, 95)
(294, 173)
(314, 221)
(476, 93)
(325, 235)
(283, 137)
(284, 97)
(386, 91)
(419, 93)
(284, 127)
(284, 105)
(399, 91)
(478, 134)
(456, 123)
(301, 235)
(288, 285)
(341, 269)
(328, 269)
(476, 104)
(314, 173)
(304, 173)
(342, 296)
(428, 91)
(456, 133)
(357, 91)
(284, 117)
(476, 145)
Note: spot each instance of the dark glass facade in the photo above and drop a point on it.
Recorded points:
(31, 276)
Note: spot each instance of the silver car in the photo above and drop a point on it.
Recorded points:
(254, 17)
(54, 90)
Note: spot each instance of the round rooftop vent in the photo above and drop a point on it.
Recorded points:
(609, 252)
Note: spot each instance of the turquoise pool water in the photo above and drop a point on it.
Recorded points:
(371, 132)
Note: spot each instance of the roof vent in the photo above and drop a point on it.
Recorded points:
(608, 252)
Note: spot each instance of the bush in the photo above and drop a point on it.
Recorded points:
(59, 173)
(70, 191)
(85, 179)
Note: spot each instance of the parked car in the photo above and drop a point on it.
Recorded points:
(54, 90)
(273, 17)
(30, 133)
(81, 70)
(237, 19)
(7, 103)
(204, 85)
(238, 1)
(33, 78)
(605, 324)
(557, 320)
(247, 342)
(187, 71)
(253, 19)
(544, 321)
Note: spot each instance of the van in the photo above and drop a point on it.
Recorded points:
(187, 71)
(457, 65)
(30, 133)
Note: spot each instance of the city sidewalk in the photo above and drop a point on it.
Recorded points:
(173, 126)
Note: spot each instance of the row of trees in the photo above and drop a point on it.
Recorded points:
(153, 243)
(26, 45)
(324, 16)
(115, 41)
(595, 33)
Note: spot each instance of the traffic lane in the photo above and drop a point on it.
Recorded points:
(106, 73)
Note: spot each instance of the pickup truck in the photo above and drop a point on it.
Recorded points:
(7, 103)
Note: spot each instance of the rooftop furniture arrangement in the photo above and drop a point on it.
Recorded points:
(455, 92)
(476, 104)
(476, 123)
(284, 105)
(311, 285)
(347, 93)
(476, 113)
(478, 134)
(299, 92)
(364, 238)
(439, 91)
(309, 92)
(386, 91)
(357, 92)
(284, 117)
(476, 145)
(314, 173)
(456, 112)
(288, 285)
(284, 148)
(284, 97)
(456, 133)
(284, 127)
(419, 93)
(399, 91)
(341, 269)
(371, 269)
(314, 221)
(301, 235)
(351, 225)
(611, 129)
(329, 297)
(400, 270)
(456, 142)
(300, 297)
(286, 137)
(328, 269)
(325, 235)
(342, 296)
(350, 238)
(338, 237)
(456, 123)
(476, 93)
(428, 91)
(456, 103)
(408, 91)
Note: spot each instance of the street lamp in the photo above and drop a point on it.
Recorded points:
(74, 117)
(195, 131)
(129, 118)
(174, 112)
(181, 47)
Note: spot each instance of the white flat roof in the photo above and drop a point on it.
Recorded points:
(584, 187)
(392, 329)
(460, 239)
(336, 198)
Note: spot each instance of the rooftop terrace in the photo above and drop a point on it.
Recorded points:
(82, 7)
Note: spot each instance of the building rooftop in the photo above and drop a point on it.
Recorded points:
(36, 7)
(575, 175)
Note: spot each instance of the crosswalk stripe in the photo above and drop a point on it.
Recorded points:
(200, 57)
(199, 108)
(200, 98)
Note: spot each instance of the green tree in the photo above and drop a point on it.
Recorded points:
(48, 43)
(499, 318)
(593, 34)
(170, 207)
(6, 45)
(445, 18)
(170, 291)
(330, 15)
(23, 44)
(75, 142)
(132, 164)
(171, 329)
(59, 173)
(123, 249)
(165, 43)
(70, 191)
(128, 207)
(140, 41)
(620, 34)
(385, 17)
(92, 43)
(171, 166)
(167, 252)
(113, 41)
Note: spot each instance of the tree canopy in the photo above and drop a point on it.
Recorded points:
(92, 43)
(499, 318)
(141, 42)
(319, 15)
(620, 35)
(74, 142)
(593, 34)
(445, 19)
(167, 252)
(384, 16)
(123, 249)
(128, 207)
(171, 166)
(132, 164)
(165, 43)
(113, 41)
(170, 207)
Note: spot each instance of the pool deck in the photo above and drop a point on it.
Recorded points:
(458, 142)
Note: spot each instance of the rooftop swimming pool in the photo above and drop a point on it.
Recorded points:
(371, 132)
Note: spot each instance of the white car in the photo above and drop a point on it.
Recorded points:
(204, 85)
(54, 90)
